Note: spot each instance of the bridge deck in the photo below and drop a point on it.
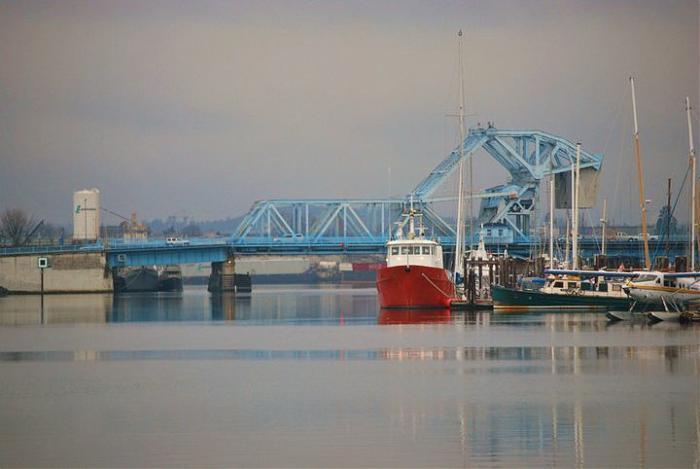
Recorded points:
(158, 252)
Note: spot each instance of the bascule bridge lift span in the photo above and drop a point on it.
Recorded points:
(529, 157)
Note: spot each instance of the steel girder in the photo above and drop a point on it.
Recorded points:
(312, 221)
(527, 155)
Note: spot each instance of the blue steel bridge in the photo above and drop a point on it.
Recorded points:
(157, 252)
(363, 226)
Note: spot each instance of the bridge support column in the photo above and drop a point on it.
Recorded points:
(224, 278)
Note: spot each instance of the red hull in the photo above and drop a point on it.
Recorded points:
(414, 287)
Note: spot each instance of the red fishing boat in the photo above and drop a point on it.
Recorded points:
(414, 276)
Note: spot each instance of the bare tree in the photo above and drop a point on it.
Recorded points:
(16, 227)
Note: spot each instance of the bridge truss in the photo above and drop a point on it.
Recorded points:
(529, 156)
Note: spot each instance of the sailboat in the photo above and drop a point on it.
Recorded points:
(677, 288)
(567, 289)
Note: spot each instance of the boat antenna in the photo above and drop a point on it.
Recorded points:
(640, 176)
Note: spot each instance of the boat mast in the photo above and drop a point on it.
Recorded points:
(566, 246)
(691, 148)
(570, 230)
(574, 222)
(462, 136)
(551, 222)
(668, 219)
(603, 221)
(459, 239)
(640, 176)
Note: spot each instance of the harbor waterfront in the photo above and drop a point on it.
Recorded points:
(349, 234)
(193, 379)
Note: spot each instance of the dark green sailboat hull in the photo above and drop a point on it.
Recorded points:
(510, 299)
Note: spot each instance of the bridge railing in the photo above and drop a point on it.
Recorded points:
(8, 251)
(329, 244)
(117, 244)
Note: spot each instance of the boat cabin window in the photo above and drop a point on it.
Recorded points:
(602, 286)
(617, 287)
(415, 250)
(669, 283)
(558, 285)
(586, 286)
(571, 285)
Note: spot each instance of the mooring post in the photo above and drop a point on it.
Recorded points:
(472, 287)
(481, 274)
(42, 263)
(42, 295)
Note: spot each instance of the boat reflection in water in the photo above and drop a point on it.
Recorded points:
(444, 390)
(414, 316)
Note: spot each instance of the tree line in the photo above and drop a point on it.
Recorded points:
(18, 229)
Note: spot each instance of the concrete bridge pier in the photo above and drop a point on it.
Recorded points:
(224, 278)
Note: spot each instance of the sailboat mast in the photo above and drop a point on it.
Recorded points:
(668, 218)
(691, 148)
(459, 238)
(462, 136)
(574, 222)
(640, 176)
(569, 231)
(551, 222)
(566, 246)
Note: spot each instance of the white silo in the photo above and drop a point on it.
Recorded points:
(86, 215)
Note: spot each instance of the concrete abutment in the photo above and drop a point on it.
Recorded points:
(66, 273)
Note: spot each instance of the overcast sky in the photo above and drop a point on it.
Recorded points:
(200, 108)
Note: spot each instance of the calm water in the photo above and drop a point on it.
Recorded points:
(302, 376)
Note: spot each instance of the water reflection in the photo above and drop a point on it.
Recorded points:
(521, 360)
(266, 305)
(58, 309)
(414, 316)
(470, 389)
